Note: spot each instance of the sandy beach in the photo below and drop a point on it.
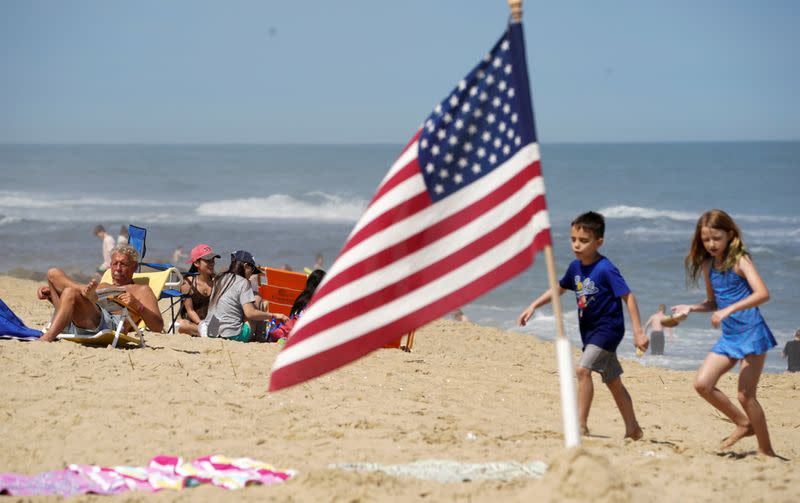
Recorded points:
(466, 393)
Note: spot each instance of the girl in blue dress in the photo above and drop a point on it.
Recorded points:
(734, 289)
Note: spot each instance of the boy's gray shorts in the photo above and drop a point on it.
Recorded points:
(601, 361)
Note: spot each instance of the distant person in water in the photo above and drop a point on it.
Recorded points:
(459, 315)
(76, 304)
(108, 243)
(122, 239)
(178, 255)
(792, 353)
(658, 331)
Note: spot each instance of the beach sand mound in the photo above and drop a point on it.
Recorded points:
(580, 475)
(467, 394)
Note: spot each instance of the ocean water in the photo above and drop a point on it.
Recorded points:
(287, 203)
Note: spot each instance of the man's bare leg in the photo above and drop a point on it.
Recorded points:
(57, 281)
(72, 305)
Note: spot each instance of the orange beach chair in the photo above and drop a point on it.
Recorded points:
(282, 287)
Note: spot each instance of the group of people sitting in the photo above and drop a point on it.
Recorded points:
(215, 305)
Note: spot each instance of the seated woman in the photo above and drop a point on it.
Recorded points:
(197, 285)
(232, 302)
(283, 330)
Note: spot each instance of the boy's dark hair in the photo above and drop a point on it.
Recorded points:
(592, 222)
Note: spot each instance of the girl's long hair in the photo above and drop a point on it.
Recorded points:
(715, 219)
(225, 279)
(304, 298)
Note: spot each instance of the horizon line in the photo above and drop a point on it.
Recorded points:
(375, 143)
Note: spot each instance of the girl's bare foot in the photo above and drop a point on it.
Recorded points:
(636, 434)
(738, 433)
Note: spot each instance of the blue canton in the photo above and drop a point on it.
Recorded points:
(476, 128)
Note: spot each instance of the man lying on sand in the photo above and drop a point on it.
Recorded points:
(76, 303)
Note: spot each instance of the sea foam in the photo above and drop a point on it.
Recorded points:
(317, 206)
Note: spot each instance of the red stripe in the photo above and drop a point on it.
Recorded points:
(423, 276)
(430, 234)
(333, 358)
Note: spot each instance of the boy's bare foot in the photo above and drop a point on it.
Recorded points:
(636, 434)
(46, 338)
(738, 433)
(584, 431)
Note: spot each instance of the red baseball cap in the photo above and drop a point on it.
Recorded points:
(201, 252)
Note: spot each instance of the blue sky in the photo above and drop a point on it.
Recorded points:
(109, 71)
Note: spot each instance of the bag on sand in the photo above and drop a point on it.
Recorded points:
(11, 327)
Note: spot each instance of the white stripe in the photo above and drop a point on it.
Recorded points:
(377, 208)
(433, 214)
(415, 300)
(433, 252)
(405, 158)
(400, 193)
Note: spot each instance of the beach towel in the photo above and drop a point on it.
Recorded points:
(162, 473)
(11, 327)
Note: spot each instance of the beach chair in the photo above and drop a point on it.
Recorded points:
(398, 344)
(137, 237)
(280, 288)
(168, 280)
(129, 329)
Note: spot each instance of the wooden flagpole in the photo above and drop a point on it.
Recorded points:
(569, 406)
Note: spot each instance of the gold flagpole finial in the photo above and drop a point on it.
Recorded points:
(516, 10)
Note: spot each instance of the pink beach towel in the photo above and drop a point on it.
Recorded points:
(163, 472)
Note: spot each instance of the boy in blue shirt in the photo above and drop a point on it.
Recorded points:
(599, 291)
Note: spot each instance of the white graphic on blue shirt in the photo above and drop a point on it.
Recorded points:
(583, 290)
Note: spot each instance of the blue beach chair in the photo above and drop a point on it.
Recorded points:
(137, 237)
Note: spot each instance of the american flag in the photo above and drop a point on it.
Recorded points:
(461, 211)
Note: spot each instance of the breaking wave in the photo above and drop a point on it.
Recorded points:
(317, 206)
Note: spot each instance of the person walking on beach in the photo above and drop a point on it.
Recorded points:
(792, 353)
(658, 331)
(108, 244)
(734, 290)
(600, 291)
(77, 304)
